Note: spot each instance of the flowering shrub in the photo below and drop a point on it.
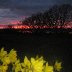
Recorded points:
(37, 64)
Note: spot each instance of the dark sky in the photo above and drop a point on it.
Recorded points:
(13, 10)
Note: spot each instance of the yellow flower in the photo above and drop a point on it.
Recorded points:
(37, 57)
(37, 65)
(12, 55)
(26, 62)
(2, 53)
(6, 60)
(17, 66)
(17, 62)
(48, 68)
(3, 68)
(57, 66)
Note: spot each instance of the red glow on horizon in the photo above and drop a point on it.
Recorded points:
(14, 22)
(18, 21)
(20, 27)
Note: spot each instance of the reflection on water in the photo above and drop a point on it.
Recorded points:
(50, 46)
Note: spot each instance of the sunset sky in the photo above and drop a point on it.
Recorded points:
(12, 11)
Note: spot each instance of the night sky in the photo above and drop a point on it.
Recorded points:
(12, 11)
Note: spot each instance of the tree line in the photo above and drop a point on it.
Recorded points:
(55, 16)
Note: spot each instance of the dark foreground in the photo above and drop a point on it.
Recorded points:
(51, 46)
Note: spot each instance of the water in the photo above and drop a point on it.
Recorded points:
(51, 46)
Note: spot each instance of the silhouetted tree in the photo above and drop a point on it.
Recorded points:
(63, 11)
(10, 26)
(57, 15)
